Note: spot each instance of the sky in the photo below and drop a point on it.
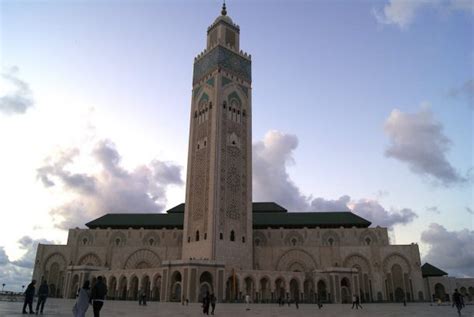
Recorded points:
(357, 105)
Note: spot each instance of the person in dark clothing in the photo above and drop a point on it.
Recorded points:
(99, 291)
(457, 301)
(296, 303)
(358, 303)
(43, 293)
(29, 296)
(213, 303)
(206, 300)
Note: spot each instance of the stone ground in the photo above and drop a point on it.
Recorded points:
(62, 307)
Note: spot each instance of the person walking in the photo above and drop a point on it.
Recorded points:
(296, 302)
(353, 301)
(247, 301)
(358, 303)
(99, 291)
(319, 301)
(29, 296)
(43, 293)
(82, 302)
(213, 303)
(205, 304)
(457, 301)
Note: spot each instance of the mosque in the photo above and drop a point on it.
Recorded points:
(219, 240)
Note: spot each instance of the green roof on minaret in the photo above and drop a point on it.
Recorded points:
(431, 270)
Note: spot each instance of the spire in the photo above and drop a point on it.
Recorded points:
(223, 11)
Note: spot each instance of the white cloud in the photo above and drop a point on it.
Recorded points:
(418, 140)
(450, 250)
(15, 94)
(402, 13)
(111, 189)
(272, 182)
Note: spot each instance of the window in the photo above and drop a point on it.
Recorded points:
(117, 241)
(293, 241)
(189, 239)
(367, 241)
(84, 241)
(221, 236)
(257, 242)
(198, 146)
(205, 142)
(210, 105)
(205, 235)
(243, 239)
(197, 235)
(151, 241)
(224, 105)
(232, 236)
(331, 241)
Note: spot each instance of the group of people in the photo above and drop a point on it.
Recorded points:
(94, 297)
(356, 302)
(43, 293)
(209, 300)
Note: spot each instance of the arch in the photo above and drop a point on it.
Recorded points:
(74, 286)
(90, 259)
(232, 235)
(112, 287)
(294, 238)
(396, 258)
(265, 289)
(345, 290)
(367, 237)
(55, 257)
(294, 289)
(322, 290)
(118, 239)
(249, 286)
(205, 285)
(259, 239)
(156, 287)
(305, 261)
(280, 288)
(133, 287)
(85, 238)
(151, 239)
(362, 265)
(308, 290)
(232, 288)
(440, 291)
(330, 238)
(141, 259)
(176, 289)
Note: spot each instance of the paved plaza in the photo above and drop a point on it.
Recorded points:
(61, 307)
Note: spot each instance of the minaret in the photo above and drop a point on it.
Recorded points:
(218, 212)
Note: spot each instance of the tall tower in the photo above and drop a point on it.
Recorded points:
(218, 212)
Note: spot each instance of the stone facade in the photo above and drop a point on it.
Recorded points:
(216, 245)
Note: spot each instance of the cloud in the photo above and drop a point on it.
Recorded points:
(17, 273)
(272, 182)
(470, 211)
(419, 141)
(450, 250)
(402, 13)
(16, 96)
(112, 189)
(433, 209)
(466, 91)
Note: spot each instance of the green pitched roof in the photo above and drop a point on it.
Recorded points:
(266, 214)
(431, 270)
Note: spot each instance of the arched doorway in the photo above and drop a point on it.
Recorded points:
(280, 289)
(440, 292)
(322, 291)
(232, 288)
(294, 290)
(156, 287)
(146, 286)
(175, 295)
(308, 286)
(398, 287)
(471, 292)
(122, 290)
(133, 292)
(205, 285)
(265, 291)
(112, 287)
(249, 287)
(74, 287)
(345, 291)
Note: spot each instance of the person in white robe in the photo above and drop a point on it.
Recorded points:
(82, 302)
